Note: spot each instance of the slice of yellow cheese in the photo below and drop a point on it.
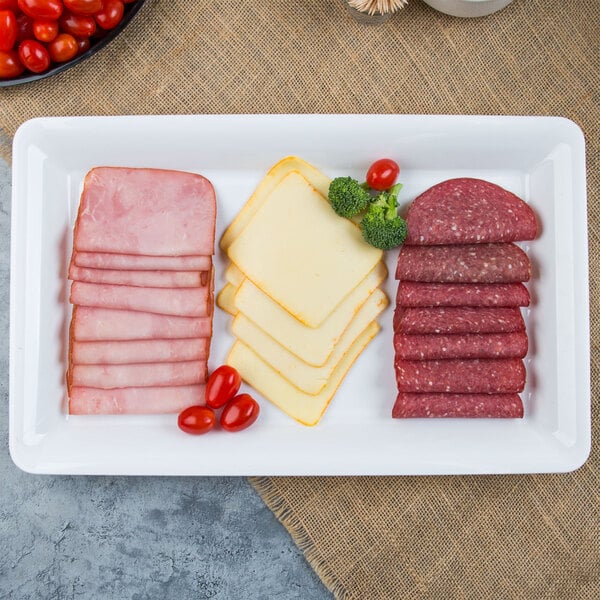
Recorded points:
(226, 299)
(304, 408)
(300, 253)
(312, 345)
(233, 275)
(275, 174)
(305, 377)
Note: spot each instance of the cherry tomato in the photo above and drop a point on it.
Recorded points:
(223, 384)
(41, 9)
(45, 30)
(62, 48)
(83, 7)
(10, 65)
(77, 25)
(382, 174)
(8, 29)
(111, 14)
(196, 420)
(34, 56)
(8, 4)
(24, 27)
(83, 44)
(240, 412)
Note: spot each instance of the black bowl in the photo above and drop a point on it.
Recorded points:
(130, 11)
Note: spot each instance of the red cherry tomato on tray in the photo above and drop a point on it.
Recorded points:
(111, 14)
(10, 65)
(8, 4)
(382, 174)
(196, 420)
(83, 7)
(45, 30)
(34, 56)
(239, 413)
(222, 385)
(41, 9)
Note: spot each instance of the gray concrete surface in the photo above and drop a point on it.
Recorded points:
(132, 537)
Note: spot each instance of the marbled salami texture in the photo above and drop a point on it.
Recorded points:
(469, 263)
(498, 376)
(415, 293)
(469, 211)
(427, 405)
(457, 319)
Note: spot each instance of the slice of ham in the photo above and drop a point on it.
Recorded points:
(184, 302)
(139, 262)
(134, 400)
(152, 212)
(414, 405)
(159, 279)
(138, 375)
(95, 324)
(139, 351)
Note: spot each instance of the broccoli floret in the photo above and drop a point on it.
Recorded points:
(381, 226)
(347, 197)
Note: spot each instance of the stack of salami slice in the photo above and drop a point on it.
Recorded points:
(460, 338)
(142, 291)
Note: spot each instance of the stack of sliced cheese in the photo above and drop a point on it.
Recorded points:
(142, 291)
(303, 288)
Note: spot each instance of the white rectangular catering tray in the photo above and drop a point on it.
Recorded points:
(541, 159)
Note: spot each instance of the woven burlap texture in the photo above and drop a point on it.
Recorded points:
(526, 536)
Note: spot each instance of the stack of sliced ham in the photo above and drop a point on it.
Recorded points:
(459, 334)
(142, 292)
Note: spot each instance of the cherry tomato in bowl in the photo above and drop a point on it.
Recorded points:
(41, 9)
(111, 14)
(34, 56)
(45, 30)
(239, 413)
(83, 7)
(63, 47)
(222, 385)
(87, 33)
(382, 174)
(196, 420)
(8, 30)
(10, 65)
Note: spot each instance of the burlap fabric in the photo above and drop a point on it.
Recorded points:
(530, 537)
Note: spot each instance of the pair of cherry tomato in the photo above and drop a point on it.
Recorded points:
(36, 33)
(239, 410)
(382, 174)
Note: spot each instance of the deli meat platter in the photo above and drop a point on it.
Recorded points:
(539, 159)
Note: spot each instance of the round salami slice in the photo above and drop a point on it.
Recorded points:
(469, 263)
(415, 293)
(470, 345)
(469, 211)
(412, 405)
(478, 376)
(457, 319)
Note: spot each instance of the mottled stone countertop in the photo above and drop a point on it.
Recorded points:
(134, 537)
